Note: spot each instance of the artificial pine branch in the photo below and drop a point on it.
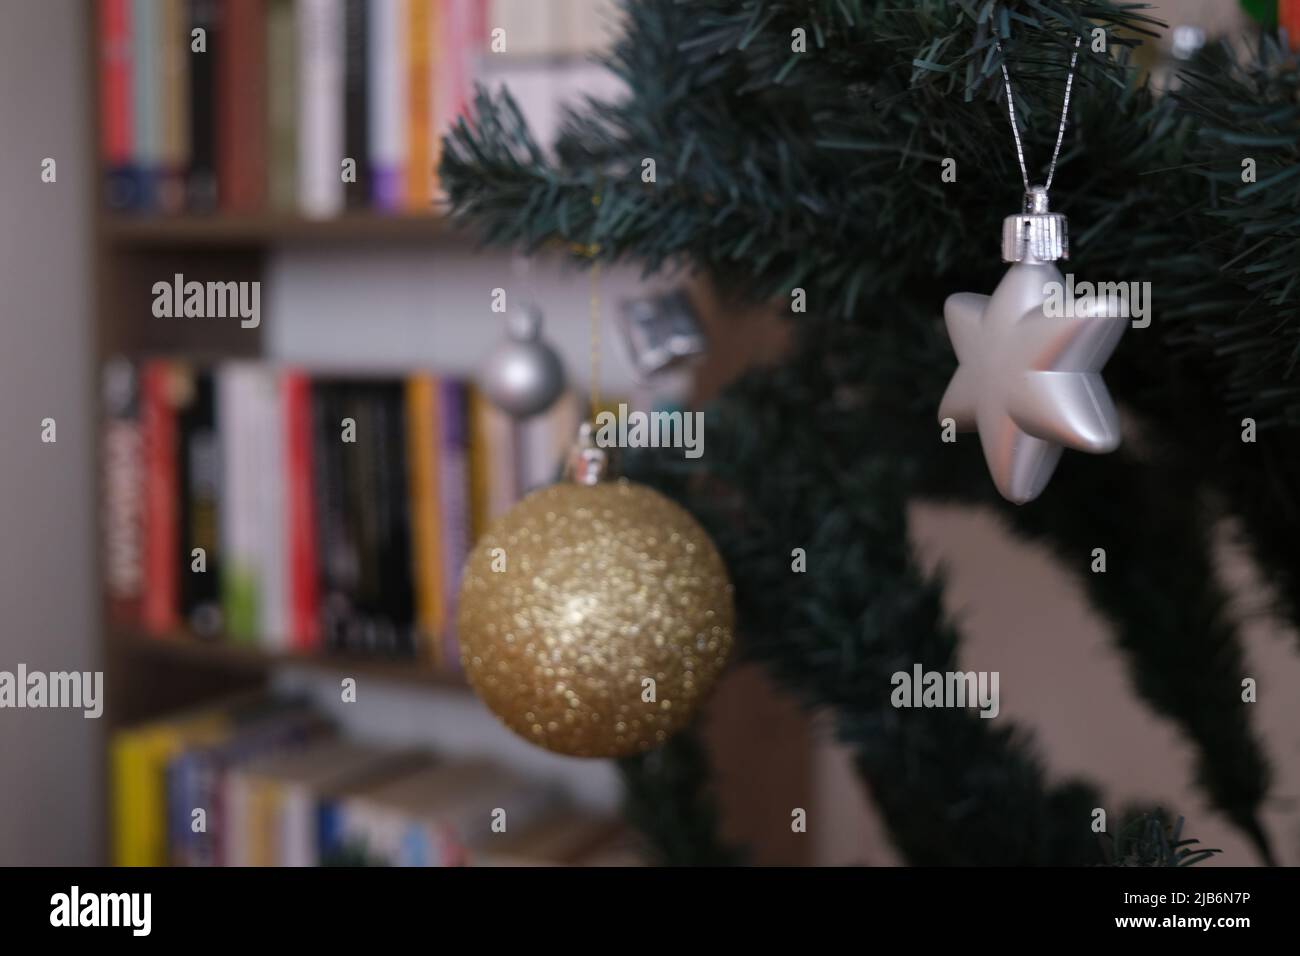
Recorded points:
(668, 797)
(1150, 840)
(820, 170)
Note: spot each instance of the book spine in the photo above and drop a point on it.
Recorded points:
(199, 469)
(419, 106)
(320, 89)
(362, 505)
(272, 522)
(175, 103)
(356, 105)
(454, 66)
(206, 793)
(116, 132)
(454, 486)
(480, 463)
(123, 492)
(240, 578)
(202, 187)
(398, 625)
(502, 456)
(422, 458)
(305, 602)
(146, 99)
(282, 104)
(241, 92)
(336, 556)
(161, 598)
(387, 88)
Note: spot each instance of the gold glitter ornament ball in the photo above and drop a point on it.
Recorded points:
(596, 590)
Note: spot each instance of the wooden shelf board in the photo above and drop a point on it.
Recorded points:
(270, 229)
(186, 649)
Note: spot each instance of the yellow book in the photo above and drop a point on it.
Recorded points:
(264, 817)
(139, 766)
(422, 451)
(419, 105)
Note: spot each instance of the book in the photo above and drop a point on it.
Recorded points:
(420, 104)
(116, 120)
(290, 790)
(454, 490)
(396, 627)
(241, 106)
(493, 462)
(160, 609)
(202, 189)
(195, 773)
(138, 760)
(440, 815)
(338, 557)
(241, 584)
(422, 458)
(462, 34)
(199, 557)
(123, 508)
(282, 99)
(268, 506)
(387, 110)
(320, 114)
(356, 103)
(316, 106)
(267, 437)
(146, 111)
(304, 583)
(360, 507)
(174, 104)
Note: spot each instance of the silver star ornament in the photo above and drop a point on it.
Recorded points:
(1029, 382)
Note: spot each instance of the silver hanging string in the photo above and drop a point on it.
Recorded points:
(1060, 132)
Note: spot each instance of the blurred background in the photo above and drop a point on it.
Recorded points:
(365, 290)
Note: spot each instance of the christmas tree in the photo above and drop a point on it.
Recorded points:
(799, 151)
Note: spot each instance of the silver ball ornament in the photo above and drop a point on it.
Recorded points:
(524, 376)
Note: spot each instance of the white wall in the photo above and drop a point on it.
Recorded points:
(49, 788)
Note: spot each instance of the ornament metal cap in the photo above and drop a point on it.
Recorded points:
(1035, 235)
(525, 324)
(588, 463)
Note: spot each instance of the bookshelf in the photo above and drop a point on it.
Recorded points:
(142, 234)
(185, 650)
(150, 675)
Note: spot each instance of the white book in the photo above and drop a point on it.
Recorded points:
(320, 110)
(241, 572)
(270, 435)
(296, 827)
(386, 113)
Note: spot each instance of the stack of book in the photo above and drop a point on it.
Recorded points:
(302, 513)
(306, 106)
(260, 781)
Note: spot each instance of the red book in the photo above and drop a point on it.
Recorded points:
(304, 588)
(1288, 18)
(115, 82)
(115, 119)
(241, 107)
(160, 609)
